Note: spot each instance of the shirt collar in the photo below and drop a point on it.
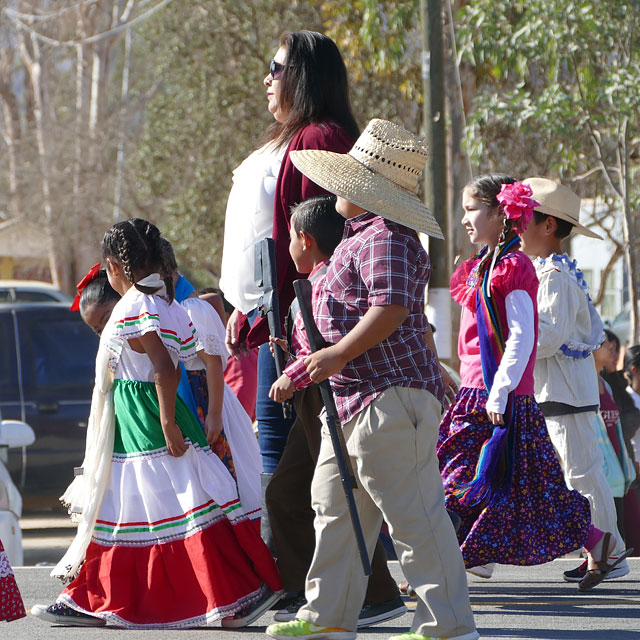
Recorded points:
(353, 225)
(317, 268)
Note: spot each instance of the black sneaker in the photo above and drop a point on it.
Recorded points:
(252, 611)
(288, 612)
(381, 612)
(59, 613)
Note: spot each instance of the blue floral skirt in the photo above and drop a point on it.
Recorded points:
(540, 519)
(198, 383)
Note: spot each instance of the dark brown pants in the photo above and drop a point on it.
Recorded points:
(288, 500)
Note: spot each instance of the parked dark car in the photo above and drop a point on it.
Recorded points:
(47, 368)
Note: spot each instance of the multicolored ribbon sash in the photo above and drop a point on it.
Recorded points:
(494, 470)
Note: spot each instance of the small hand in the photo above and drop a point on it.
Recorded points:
(213, 427)
(235, 347)
(450, 387)
(324, 363)
(175, 440)
(496, 418)
(282, 389)
(282, 343)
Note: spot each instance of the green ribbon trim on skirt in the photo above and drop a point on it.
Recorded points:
(138, 425)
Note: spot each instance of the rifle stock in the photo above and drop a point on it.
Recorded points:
(266, 277)
(347, 477)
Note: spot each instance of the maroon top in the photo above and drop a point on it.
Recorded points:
(610, 414)
(292, 188)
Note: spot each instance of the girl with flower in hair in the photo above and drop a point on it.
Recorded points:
(498, 466)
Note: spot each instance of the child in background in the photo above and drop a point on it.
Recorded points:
(566, 381)
(499, 468)
(316, 230)
(618, 465)
(388, 391)
(632, 373)
(154, 467)
(240, 374)
(227, 426)
(96, 299)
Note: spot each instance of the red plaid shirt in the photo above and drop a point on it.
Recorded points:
(378, 263)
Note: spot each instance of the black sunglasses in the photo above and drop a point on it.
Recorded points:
(276, 69)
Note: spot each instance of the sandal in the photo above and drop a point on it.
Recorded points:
(406, 589)
(595, 576)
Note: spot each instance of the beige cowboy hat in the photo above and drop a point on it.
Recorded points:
(559, 202)
(379, 174)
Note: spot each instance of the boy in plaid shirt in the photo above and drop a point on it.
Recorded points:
(316, 229)
(388, 390)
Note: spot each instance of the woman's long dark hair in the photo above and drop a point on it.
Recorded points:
(313, 86)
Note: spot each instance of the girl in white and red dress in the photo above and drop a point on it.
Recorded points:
(164, 540)
(11, 605)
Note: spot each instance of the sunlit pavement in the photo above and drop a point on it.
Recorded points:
(517, 602)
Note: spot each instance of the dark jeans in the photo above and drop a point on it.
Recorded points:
(288, 500)
(273, 428)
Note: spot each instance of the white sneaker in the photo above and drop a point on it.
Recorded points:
(483, 570)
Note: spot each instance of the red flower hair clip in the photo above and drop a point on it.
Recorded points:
(82, 285)
(518, 204)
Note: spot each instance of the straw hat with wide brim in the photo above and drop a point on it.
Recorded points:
(379, 174)
(559, 202)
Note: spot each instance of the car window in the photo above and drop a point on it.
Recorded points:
(5, 295)
(8, 365)
(34, 296)
(63, 352)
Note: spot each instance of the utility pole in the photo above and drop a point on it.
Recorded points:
(435, 179)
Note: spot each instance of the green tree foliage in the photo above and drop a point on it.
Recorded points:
(548, 74)
(558, 89)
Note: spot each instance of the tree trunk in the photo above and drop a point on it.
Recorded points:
(60, 273)
(14, 134)
(628, 230)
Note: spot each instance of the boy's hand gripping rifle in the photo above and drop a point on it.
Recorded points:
(266, 277)
(347, 477)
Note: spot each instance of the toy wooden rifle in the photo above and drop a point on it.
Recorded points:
(347, 477)
(266, 277)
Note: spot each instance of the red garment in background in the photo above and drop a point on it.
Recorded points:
(293, 188)
(242, 377)
(610, 414)
(11, 605)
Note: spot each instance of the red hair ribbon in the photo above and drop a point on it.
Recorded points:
(82, 285)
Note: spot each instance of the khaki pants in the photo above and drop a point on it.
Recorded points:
(288, 501)
(392, 448)
(575, 439)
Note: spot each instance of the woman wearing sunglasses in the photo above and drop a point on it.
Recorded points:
(308, 95)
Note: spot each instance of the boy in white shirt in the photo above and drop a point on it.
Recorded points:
(566, 382)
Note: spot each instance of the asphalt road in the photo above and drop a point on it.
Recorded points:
(525, 603)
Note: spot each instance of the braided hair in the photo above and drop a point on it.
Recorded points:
(136, 245)
(486, 189)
